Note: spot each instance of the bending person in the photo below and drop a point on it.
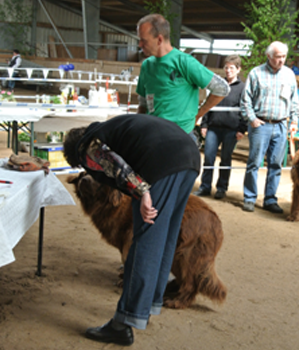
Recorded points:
(165, 162)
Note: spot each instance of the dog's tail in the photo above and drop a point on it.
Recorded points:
(205, 281)
(210, 285)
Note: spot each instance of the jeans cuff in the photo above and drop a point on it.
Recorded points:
(130, 320)
(156, 309)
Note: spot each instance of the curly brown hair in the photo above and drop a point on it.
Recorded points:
(70, 145)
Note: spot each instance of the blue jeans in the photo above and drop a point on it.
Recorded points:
(11, 83)
(150, 257)
(215, 137)
(270, 139)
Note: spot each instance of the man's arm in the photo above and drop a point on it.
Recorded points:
(294, 110)
(100, 158)
(219, 89)
(142, 109)
(148, 212)
(210, 102)
(247, 101)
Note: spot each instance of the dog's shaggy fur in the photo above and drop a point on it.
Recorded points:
(199, 240)
(294, 216)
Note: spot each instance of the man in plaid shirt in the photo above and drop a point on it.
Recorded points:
(269, 99)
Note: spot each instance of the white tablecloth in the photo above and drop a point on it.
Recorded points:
(20, 204)
(59, 120)
(24, 114)
(64, 121)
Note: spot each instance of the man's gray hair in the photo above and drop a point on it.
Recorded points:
(273, 46)
(160, 25)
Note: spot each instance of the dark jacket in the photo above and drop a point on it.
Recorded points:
(13, 61)
(230, 120)
(153, 147)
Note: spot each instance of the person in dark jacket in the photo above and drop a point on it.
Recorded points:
(225, 129)
(156, 162)
(14, 63)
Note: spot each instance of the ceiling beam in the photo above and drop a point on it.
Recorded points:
(138, 8)
(184, 28)
(198, 35)
(133, 6)
(79, 13)
(229, 7)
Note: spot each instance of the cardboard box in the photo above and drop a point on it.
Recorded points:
(52, 153)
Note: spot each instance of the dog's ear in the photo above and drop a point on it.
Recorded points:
(115, 198)
(72, 179)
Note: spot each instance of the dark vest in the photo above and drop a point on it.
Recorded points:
(13, 61)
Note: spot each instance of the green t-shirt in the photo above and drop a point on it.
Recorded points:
(170, 85)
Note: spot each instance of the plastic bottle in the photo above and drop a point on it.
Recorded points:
(75, 96)
(93, 96)
(69, 97)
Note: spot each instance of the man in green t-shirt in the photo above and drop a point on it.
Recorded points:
(169, 79)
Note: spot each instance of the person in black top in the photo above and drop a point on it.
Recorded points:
(15, 62)
(225, 128)
(155, 162)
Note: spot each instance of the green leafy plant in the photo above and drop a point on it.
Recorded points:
(268, 21)
(55, 100)
(163, 7)
(16, 17)
(23, 137)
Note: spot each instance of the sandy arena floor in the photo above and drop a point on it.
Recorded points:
(259, 263)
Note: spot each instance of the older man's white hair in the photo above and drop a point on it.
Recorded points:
(276, 45)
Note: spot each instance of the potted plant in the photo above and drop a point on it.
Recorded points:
(7, 96)
(24, 142)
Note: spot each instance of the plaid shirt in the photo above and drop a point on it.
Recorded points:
(270, 95)
(100, 158)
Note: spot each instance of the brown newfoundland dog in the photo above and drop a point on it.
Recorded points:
(294, 216)
(199, 240)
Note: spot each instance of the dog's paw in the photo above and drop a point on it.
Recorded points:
(293, 217)
(173, 303)
(120, 283)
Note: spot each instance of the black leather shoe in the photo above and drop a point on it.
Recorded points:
(274, 208)
(202, 193)
(219, 195)
(107, 334)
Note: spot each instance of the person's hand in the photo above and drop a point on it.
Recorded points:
(257, 122)
(293, 128)
(148, 212)
(239, 136)
(203, 132)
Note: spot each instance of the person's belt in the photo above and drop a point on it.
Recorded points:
(272, 121)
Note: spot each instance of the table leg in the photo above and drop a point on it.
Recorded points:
(40, 241)
(15, 137)
(32, 139)
(8, 134)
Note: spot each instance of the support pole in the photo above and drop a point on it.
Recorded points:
(91, 27)
(177, 9)
(33, 28)
(84, 29)
(55, 28)
(40, 242)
